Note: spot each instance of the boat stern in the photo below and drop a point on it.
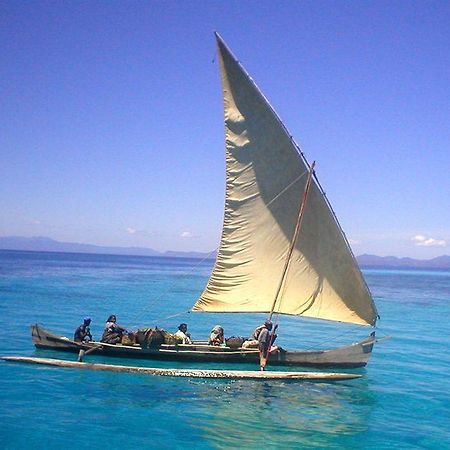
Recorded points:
(45, 339)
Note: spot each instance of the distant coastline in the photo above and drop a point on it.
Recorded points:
(373, 261)
(44, 244)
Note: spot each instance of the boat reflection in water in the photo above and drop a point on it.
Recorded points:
(285, 415)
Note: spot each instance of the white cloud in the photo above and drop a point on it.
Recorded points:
(141, 233)
(424, 241)
(186, 234)
(353, 241)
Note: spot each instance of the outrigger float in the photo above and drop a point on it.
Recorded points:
(190, 373)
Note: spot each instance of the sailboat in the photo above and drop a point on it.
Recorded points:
(282, 250)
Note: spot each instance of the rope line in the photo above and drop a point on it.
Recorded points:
(174, 315)
(288, 187)
(169, 288)
(332, 339)
(158, 298)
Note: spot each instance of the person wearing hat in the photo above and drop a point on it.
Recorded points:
(216, 336)
(83, 332)
(182, 334)
(265, 341)
(255, 334)
(113, 332)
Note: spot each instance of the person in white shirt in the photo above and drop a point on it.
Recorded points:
(216, 337)
(183, 335)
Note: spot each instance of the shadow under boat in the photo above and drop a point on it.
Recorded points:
(351, 356)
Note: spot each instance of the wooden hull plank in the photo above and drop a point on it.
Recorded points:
(191, 373)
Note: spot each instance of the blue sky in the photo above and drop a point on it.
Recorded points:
(111, 121)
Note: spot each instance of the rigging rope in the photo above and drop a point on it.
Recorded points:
(281, 286)
(321, 343)
(182, 313)
(158, 298)
(332, 339)
(166, 291)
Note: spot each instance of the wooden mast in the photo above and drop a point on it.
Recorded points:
(295, 237)
(264, 357)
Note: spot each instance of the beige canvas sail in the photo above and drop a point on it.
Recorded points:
(265, 180)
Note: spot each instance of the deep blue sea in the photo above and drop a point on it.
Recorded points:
(402, 402)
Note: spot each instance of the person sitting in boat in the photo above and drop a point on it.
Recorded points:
(182, 334)
(257, 332)
(113, 332)
(252, 341)
(83, 332)
(216, 336)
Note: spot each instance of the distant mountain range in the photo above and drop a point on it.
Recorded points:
(441, 262)
(44, 244)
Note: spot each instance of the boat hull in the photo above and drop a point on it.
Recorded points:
(354, 355)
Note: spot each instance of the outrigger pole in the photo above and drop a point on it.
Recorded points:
(83, 352)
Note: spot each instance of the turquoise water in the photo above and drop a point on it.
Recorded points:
(402, 402)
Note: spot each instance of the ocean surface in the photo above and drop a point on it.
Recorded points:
(402, 402)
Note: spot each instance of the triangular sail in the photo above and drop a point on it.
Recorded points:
(266, 177)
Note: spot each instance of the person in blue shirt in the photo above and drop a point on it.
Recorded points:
(83, 332)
